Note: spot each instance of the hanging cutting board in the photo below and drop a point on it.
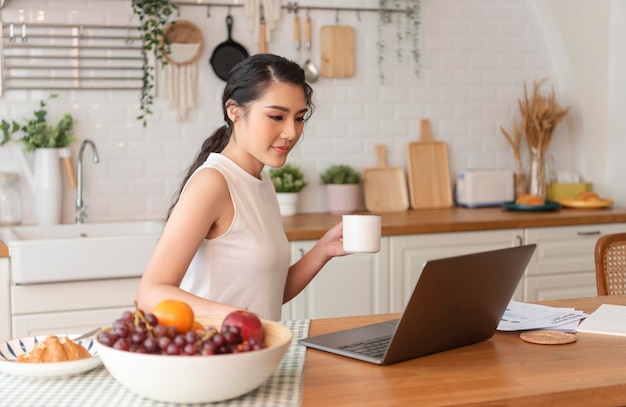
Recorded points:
(337, 51)
(385, 187)
(428, 170)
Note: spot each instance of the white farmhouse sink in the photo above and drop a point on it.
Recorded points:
(87, 251)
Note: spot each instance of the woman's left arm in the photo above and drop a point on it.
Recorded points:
(303, 271)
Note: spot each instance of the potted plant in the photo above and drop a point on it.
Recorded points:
(36, 131)
(49, 143)
(288, 182)
(342, 189)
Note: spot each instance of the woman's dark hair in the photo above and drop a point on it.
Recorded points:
(247, 82)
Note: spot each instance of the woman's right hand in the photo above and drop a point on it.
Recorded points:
(333, 241)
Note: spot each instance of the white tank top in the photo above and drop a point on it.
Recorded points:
(246, 266)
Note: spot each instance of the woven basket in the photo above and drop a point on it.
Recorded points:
(183, 32)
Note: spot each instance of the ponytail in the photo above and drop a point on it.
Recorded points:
(214, 144)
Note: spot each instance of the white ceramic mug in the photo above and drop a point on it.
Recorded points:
(361, 233)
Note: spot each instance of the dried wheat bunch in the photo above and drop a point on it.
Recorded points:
(515, 141)
(540, 116)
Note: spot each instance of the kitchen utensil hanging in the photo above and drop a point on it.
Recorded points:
(311, 73)
(297, 40)
(180, 75)
(227, 54)
(337, 51)
(271, 15)
(262, 34)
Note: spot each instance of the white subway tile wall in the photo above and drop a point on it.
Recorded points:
(475, 57)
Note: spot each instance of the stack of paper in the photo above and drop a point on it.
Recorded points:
(521, 316)
(608, 319)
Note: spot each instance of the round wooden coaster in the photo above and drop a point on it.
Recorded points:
(548, 337)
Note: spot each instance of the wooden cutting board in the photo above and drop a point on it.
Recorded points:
(428, 170)
(337, 51)
(385, 187)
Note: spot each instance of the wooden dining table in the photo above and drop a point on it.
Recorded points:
(501, 371)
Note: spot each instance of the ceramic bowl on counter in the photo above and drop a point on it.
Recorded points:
(198, 379)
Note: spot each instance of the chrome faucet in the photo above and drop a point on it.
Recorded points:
(81, 208)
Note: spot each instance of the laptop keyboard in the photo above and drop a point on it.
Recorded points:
(375, 348)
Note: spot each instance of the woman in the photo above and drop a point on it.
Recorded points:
(223, 246)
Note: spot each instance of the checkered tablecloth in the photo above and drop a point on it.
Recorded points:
(98, 388)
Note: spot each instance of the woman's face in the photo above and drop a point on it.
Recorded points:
(269, 129)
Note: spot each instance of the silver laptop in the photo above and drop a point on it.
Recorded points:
(457, 301)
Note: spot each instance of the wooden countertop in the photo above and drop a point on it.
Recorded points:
(503, 370)
(312, 226)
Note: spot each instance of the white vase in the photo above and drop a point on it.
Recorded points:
(48, 186)
(288, 202)
(343, 199)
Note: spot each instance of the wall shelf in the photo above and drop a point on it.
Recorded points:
(70, 57)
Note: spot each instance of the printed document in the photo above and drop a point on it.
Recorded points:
(521, 316)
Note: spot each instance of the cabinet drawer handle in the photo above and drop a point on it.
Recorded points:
(590, 233)
(301, 252)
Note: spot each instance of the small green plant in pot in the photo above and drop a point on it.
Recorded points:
(288, 178)
(343, 190)
(288, 181)
(49, 143)
(340, 174)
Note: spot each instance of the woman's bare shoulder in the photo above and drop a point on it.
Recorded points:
(208, 180)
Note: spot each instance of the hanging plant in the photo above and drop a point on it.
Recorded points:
(384, 18)
(399, 32)
(153, 16)
(412, 31)
(407, 28)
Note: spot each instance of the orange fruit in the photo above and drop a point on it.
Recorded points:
(175, 313)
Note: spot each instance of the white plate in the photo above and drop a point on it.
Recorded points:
(10, 350)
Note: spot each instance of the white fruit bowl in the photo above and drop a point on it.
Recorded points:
(198, 379)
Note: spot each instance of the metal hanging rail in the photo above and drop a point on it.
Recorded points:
(26, 47)
(294, 6)
(45, 56)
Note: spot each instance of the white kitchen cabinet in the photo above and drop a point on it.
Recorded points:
(75, 322)
(356, 284)
(69, 307)
(563, 265)
(5, 302)
(409, 253)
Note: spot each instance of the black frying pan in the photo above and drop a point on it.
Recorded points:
(227, 54)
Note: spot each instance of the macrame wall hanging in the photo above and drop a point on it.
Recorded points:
(180, 75)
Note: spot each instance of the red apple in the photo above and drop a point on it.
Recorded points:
(248, 322)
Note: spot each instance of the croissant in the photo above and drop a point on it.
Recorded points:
(55, 349)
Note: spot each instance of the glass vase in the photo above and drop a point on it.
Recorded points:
(519, 179)
(537, 183)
